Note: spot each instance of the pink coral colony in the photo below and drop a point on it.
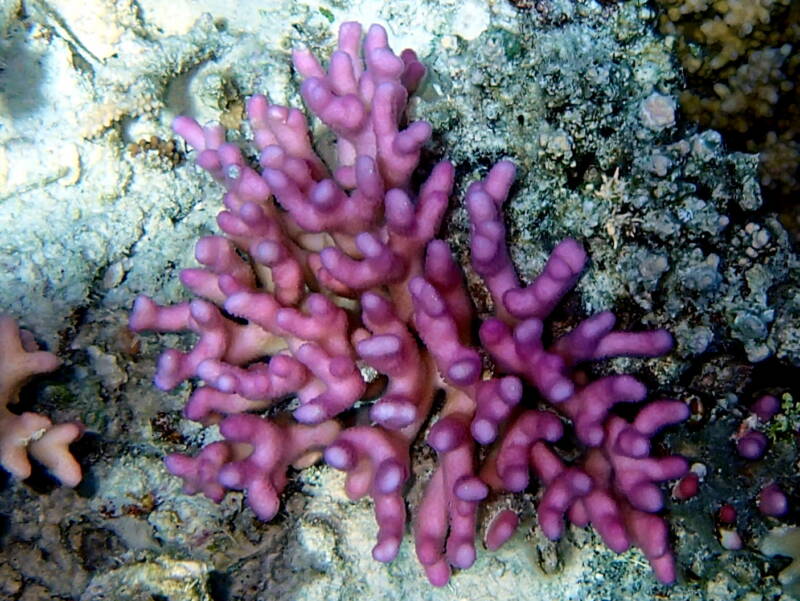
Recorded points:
(31, 433)
(344, 272)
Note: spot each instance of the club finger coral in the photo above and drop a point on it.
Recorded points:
(324, 270)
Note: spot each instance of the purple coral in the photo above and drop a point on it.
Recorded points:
(613, 488)
(772, 501)
(345, 271)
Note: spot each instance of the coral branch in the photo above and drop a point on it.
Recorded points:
(31, 433)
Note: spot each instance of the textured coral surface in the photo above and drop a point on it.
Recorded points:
(742, 64)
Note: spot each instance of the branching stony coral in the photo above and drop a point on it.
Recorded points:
(31, 433)
(322, 273)
(742, 62)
